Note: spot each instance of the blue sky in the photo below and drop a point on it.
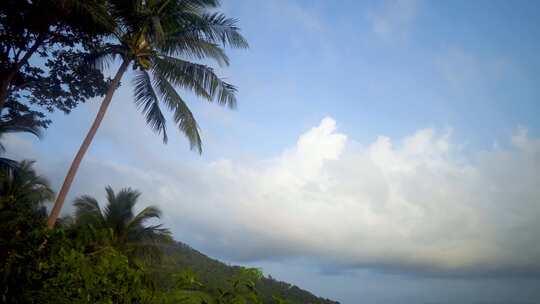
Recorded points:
(382, 151)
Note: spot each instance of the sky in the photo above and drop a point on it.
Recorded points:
(381, 152)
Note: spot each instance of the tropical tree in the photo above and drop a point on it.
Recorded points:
(56, 31)
(157, 38)
(129, 232)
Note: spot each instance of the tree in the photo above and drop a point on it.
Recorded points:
(55, 33)
(152, 36)
(129, 233)
(64, 81)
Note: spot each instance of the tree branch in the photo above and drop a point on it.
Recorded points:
(37, 43)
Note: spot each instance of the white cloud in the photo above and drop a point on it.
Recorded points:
(392, 22)
(418, 203)
(411, 205)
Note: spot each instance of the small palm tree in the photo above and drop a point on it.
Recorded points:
(155, 37)
(128, 230)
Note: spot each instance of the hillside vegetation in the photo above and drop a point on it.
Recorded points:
(215, 274)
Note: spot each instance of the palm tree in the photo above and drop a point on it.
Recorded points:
(156, 37)
(128, 230)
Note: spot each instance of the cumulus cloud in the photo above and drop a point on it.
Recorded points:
(420, 204)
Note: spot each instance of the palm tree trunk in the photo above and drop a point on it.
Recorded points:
(55, 212)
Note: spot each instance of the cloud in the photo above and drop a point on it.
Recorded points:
(420, 204)
(393, 21)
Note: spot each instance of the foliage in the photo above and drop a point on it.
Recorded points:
(42, 44)
(62, 82)
(241, 289)
(215, 275)
(50, 267)
(16, 118)
(104, 276)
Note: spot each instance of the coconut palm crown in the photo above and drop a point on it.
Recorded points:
(157, 37)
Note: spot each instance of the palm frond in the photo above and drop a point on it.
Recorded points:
(119, 211)
(96, 11)
(7, 165)
(111, 196)
(24, 123)
(120, 208)
(183, 117)
(23, 183)
(126, 13)
(147, 101)
(149, 235)
(198, 78)
(201, 4)
(87, 211)
(217, 27)
(103, 57)
(191, 46)
(85, 204)
(147, 213)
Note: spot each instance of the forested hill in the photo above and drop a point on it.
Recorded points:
(214, 273)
